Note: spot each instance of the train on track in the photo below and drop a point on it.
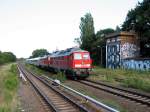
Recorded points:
(74, 62)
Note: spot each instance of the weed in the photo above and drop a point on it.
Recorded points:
(35, 69)
(5, 109)
(60, 76)
(13, 69)
(137, 83)
(9, 84)
(128, 78)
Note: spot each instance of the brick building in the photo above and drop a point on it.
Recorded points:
(122, 50)
(120, 46)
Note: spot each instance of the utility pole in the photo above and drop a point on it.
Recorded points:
(101, 55)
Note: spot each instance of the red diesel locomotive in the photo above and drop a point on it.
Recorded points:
(74, 62)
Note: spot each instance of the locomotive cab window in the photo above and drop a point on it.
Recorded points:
(86, 56)
(77, 56)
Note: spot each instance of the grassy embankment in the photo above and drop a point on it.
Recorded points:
(60, 76)
(8, 88)
(126, 78)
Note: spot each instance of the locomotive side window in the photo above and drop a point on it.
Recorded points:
(86, 56)
(77, 56)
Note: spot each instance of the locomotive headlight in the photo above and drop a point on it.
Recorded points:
(88, 65)
(77, 65)
(90, 69)
(80, 65)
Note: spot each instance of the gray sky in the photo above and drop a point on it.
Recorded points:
(26, 25)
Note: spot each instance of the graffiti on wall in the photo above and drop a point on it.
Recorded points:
(136, 64)
(129, 50)
(113, 55)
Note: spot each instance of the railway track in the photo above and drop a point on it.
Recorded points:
(55, 100)
(79, 102)
(131, 95)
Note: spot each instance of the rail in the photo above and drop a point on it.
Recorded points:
(21, 74)
(137, 97)
(50, 103)
(86, 97)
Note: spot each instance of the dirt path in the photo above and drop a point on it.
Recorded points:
(30, 100)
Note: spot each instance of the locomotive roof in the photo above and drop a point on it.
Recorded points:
(66, 52)
(37, 58)
(59, 53)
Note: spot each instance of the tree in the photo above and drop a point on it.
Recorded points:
(39, 53)
(87, 36)
(1, 58)
(6, 57)
(77, 41)
(138, 20)
(118, 29)
(91, 42)
(9, 57)
(102, 33)
(99, 45)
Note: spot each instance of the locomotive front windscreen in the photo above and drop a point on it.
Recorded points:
(77, 56)
(86, 56)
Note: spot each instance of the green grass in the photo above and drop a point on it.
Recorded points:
(35, 69)
(127, 78)
(8, 88)
(59, 76)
